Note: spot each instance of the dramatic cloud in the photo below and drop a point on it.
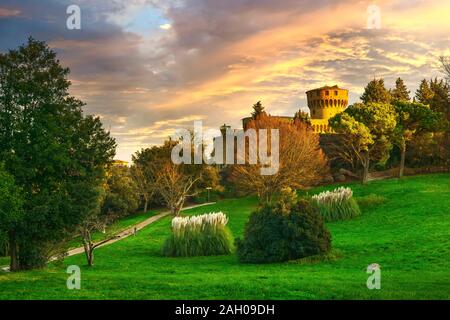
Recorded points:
(148, 67)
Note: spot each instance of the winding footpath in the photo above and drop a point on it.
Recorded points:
(125, 233)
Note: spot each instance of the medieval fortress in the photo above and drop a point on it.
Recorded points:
(323, 103)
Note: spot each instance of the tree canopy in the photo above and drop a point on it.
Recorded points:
(55, 153)
(258, 109)
(366, 132)
(376, 92)
(400, 92)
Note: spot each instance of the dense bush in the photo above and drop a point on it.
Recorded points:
(337, 204)
(122, 195)
(203, 235)
(281, 232)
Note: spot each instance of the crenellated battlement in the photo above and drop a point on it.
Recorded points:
(324, 103)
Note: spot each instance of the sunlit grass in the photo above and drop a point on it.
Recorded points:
(408, 235)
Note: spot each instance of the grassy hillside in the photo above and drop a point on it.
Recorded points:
(407, 233)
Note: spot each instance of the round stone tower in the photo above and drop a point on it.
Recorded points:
(324, 103)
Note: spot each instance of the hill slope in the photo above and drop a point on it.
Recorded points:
(408, 235)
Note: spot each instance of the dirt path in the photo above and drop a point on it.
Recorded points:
(125, 233)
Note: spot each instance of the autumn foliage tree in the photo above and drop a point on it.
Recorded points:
(301, 160)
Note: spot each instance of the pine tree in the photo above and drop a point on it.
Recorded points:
(400, 92)
(440, 101)
(376, 92)
(424, 94)
(257, 109)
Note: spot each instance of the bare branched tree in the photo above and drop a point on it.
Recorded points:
(175, 185)
(445, 61)
(94, 223)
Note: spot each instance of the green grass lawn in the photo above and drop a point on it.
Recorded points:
(408, 235)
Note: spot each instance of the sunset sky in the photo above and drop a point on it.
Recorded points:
(147, 67)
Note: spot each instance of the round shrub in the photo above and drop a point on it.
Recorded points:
(276, 233)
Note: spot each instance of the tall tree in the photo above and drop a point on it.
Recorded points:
(50, 147)
(176, 185)
(400, 92)
(376, 92)
(171, 183)
(258, 109)
(412, 119)
(366, 131)
(146, 165)
(440, 101)
(301, 160)
(424, 94)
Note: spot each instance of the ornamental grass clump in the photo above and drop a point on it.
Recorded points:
(337, 204)
(203, 235)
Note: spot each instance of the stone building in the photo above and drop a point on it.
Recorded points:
(323, 104)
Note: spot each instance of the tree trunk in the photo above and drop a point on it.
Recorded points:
(173, 210)
(88, 247)
(13, 252)
(145, 206)
(402, 159)
(90, 259)
(365, 175)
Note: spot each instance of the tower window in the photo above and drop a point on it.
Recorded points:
(335, 93)
(327, 93)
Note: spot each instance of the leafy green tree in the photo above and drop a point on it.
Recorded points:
(440, 101)
(11, 213)
(122, 195)
(257, 109)
(412, 119)
(365, 132)
(435, 93)
(376, 92)
(55, 153)
(400, 92)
